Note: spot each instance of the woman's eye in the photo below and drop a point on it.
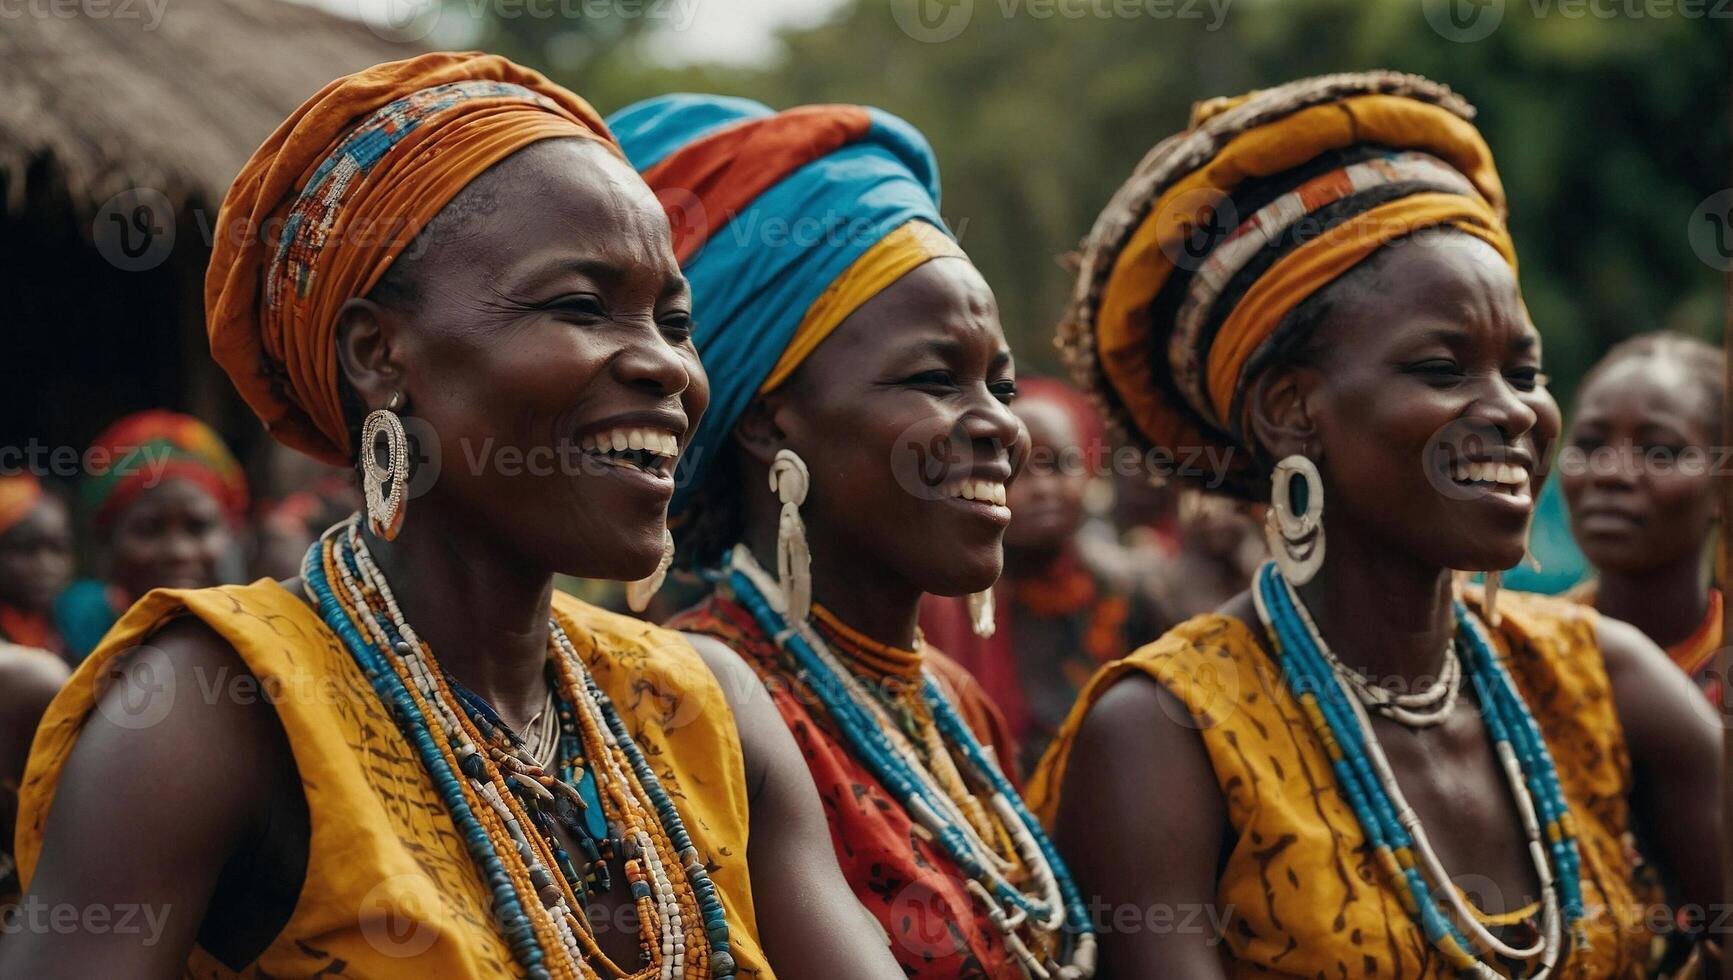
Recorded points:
(1527, 379)
(1004, 390)
(679, 326)
(934, 379)
(585, 307)
(1437, 371)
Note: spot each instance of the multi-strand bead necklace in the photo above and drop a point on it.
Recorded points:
(506, 803)
(1047, 928)
(1334, 706)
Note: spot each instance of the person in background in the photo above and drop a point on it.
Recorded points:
(1638, 474)
(299, 498)
(29, 680)
(165, 498)
(1063, 606)
(1221, 545)
(35, 561)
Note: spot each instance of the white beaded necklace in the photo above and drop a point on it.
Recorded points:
(1547, 950)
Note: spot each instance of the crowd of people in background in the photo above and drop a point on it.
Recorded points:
(1049, 683)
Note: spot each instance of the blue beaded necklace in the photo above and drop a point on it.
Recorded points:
(1365, 779)
(910, 784)
(366, 619)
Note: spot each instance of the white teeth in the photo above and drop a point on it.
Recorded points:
(620, 440)
(986, 491)
(1503, 474)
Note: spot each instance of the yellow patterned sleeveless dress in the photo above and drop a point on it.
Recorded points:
(1305, 898)
(391, 891)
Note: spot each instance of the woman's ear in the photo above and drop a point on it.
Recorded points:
(757, 433)
(368, 338)
(1278, 408)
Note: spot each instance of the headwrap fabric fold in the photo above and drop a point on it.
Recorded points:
(19, 495)
(1129, 334)
(153, 447)
(771, 214)
(334, 196)
(888, 260)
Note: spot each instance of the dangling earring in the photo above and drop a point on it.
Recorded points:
(789, 480)
(639, 593)
(981, 613)
(1294, 526)
(385, 486)
(1489, 604)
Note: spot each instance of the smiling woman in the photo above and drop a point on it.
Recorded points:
(863, 379)
(440, 270)
(1365, 773)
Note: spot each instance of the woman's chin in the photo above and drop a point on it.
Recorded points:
(1497, 559)
(627, 558)
(965, 578)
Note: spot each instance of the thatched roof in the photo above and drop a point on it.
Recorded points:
(172, 95)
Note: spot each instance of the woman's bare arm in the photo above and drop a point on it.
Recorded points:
(164, 785)
(1140, 825)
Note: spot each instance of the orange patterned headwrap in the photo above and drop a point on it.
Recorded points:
(336, 194)
(1225, 229)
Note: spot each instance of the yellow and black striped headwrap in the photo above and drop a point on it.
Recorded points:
(1224, 229)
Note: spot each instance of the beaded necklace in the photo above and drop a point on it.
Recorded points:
(505, 804)
(1392, 829)
(1051, 913)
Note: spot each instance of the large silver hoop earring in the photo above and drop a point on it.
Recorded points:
(790, 480)
(1294, 526)
(639, 593)
(386, 484)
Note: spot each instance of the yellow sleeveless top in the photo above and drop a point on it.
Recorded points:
(1302, 894)
(390, 889)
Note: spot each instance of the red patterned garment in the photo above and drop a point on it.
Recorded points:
(937, 930)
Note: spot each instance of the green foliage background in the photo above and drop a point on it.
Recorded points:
(1609, 119)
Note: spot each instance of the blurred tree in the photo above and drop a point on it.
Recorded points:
(1609, 130)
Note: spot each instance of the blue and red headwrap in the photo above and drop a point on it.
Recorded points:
(769, 211)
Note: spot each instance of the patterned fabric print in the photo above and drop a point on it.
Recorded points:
(1267, 226)
(937, 930)
(312, 219)
(1303, 894)
(383, 851)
